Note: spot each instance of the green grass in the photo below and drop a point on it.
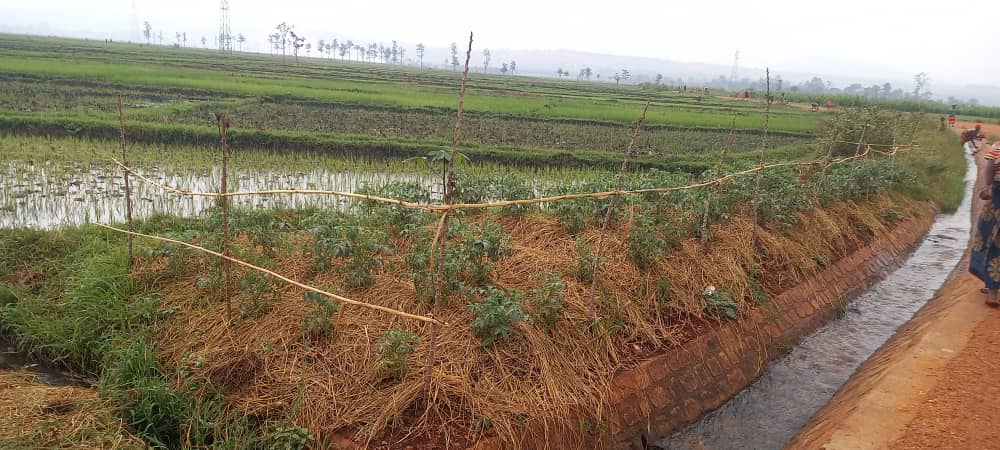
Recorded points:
(938, 166)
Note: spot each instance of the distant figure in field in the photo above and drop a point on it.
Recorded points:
(942, 123)
(969, 138)
(951, 115)
(815, 105)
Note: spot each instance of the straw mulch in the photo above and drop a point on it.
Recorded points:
(559, 379)
(35, 415)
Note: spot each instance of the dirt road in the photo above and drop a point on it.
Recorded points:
(934, 385)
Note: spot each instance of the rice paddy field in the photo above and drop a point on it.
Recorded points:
(536, 304)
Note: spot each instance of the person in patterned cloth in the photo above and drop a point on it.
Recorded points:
(985, 260)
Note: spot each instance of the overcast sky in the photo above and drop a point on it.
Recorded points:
(953, 42)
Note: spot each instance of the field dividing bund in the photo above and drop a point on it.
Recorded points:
(544, 288)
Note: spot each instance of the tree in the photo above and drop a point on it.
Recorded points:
(361, 51)
(178, 35)
(282, 42)
(513, 66)
(618, 78)
(240, 39)
(503, 68)
(659, 78)
(297, 43)
(588, 72)
(321, 47)
(184, 37)
(626, 75)
(559, 72)
(275, 41)
(335, 47)
(920, 81)
(308, 49)
(350, 46)
(159, 36)
(454, 56)
(343, 50)
(420, 54)
(486, 60)
(147, 31)
(204, 42)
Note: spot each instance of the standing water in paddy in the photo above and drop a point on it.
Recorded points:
(770, 412)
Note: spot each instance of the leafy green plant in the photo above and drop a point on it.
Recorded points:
(258, 294)
(720, 303)
(547, 301)
(395, 347)
(316, 323)
(496, 315)
(584, 261)
(289, 438)
(363, 247)
(395, 216)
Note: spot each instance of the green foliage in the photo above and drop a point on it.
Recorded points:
(584, 261)
(396, 217)
(547, 301)
(470, 257)
(497, 314)
(720, 303)
(258, 294)
(316, 324)
(363, 247)
(289, 438)
(494, 187)
(395, 347)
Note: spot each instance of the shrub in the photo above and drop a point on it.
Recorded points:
(496, 315)
(720, 303)
(316, 323)
(395, 347)
(548, 301)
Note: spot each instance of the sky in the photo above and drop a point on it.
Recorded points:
(882, 39)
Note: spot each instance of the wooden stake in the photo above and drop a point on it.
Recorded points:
(763, 151)
(226, 267)
(441, 239)
(128, 190)
(717, 189)
(592, 305)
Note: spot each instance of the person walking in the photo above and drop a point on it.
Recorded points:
(969, 138)
(984, 262)
(952, 113)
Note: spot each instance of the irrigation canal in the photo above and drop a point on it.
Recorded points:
(771, 411)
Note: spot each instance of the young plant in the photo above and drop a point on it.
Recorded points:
(547, 301)
(496, 315)
(363, 247)
(316, 323)
(720, 303)
(395, 347)
(584, 261)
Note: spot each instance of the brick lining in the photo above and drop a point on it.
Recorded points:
(705, 372)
